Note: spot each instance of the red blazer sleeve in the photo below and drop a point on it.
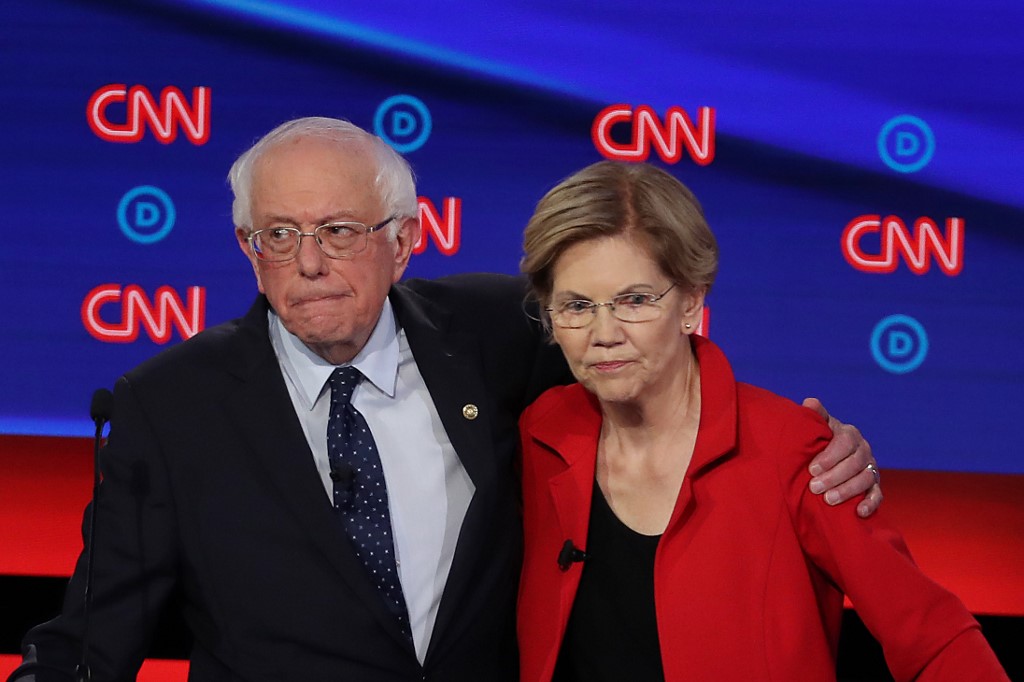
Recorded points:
(925, 631)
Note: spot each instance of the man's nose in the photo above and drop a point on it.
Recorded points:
(310, 258)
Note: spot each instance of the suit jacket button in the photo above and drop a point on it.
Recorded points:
(470, 411)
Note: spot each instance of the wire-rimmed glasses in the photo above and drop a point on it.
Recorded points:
(629, 307)
(339, 239)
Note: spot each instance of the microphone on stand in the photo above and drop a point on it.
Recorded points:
(100, 410)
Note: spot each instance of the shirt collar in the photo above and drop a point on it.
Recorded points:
(377, 360)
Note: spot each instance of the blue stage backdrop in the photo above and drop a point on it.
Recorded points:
(860, 162)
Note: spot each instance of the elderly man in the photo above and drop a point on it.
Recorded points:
(328, 482)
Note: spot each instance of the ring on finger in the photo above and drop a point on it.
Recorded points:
(874, 472)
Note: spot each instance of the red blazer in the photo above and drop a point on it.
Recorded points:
(750, 573)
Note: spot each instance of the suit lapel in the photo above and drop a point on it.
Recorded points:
(571, 435)
(450, 364)
(282, 456)
(716, 437)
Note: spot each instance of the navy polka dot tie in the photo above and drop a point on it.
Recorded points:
(360, 494)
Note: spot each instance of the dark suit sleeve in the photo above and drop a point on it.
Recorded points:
(520, 359)
(135, 561)
(549, 367)
(512, 308)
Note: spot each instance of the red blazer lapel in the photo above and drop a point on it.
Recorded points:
(716, 436)
(571, 437)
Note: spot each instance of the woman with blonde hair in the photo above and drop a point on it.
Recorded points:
(670, 532)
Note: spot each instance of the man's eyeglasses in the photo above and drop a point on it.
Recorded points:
(340, 240)
(632, 307)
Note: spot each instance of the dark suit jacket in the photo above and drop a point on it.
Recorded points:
(210, 491)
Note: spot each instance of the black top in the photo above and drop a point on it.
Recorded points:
(613, 632)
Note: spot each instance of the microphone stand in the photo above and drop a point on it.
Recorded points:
(100, 411)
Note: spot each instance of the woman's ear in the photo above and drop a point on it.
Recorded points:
(693, 309)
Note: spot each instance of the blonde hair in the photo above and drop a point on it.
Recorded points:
(609, 199)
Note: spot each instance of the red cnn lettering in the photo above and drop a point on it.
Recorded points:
(163, 119)
(137, 310)
(669, 140)
(917, 248)
(444, 229)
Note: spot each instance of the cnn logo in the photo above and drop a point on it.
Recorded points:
(136, 312)
(918, 247)
(135, 108)
(678, 133)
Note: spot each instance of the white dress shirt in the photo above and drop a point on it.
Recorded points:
(429, 490)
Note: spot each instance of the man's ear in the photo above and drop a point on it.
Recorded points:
(405, 241)
(241, 234)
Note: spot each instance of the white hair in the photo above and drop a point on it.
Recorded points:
(394, 179)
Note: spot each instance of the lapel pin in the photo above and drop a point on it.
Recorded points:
(470, 411)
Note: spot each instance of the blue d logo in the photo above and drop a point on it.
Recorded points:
(404, 122)
(906, 144)
(145, 214)
(899, 344)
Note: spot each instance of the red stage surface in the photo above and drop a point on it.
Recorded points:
(965, 530)
(153, 670)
